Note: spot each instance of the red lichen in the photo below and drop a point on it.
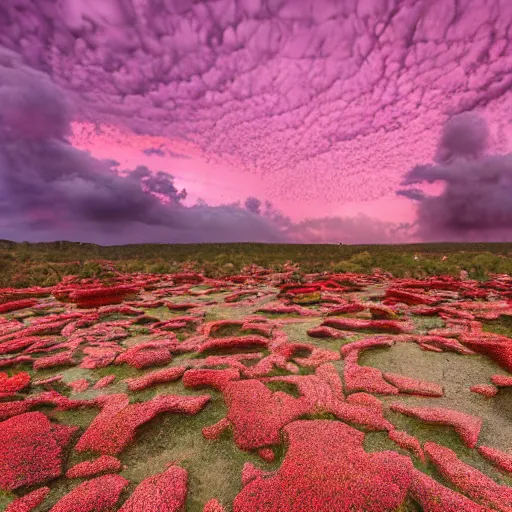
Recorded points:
(104, 382)
(29, 502)
(487, 390)
(98, 357)
(145, 355)
(97, 495)
(267, 454)
(469, 480)
(434, 497)
(156, 377)
(365, 378)
(114, 427)
(413, 386)
(234, 342)
(360, 324)
(216, 379)
(327, 332)
(467, 426)
(338, 475)
(214, 431)
(15, 305)
(61, 359)
(103, 464)
(164, 492)
(407, 442)
(502, 380)
(500, 459)
(80, 385)
(213, 505)
(257, 414)
(30, 441)
(15, 383)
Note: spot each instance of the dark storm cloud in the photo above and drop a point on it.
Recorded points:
(476, 203)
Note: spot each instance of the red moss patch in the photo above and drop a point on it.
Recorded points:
(15, 383)
(338, 475)
(501, 380)
(216, 379)
(233, 342)
(467, 426)
(359, 324)
(407, 442)
(164, 492)
(79, 386)
(257, 414)
(413, 386)
(104, 382)
(500, 459)
(213, 432)
(103, 464)
(487, 390)
(29, 502)
(469, 480)
(156, 377)
(267, 454)
(31, 450)
(114, 427)
(434, 497)
(97, 495)
(213, 505)
(62, 359)
(146, 355)
(16, 305)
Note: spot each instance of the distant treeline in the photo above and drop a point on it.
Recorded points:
(26, 264)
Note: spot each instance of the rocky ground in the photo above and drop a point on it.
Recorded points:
(347, 392)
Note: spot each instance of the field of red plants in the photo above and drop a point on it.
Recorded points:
(175, 392)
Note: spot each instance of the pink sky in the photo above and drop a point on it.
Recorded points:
(322, 107)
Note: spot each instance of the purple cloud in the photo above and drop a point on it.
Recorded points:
(476, 202)
(295, 89)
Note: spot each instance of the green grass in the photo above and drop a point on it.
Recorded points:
(44, 264)
(502, 326)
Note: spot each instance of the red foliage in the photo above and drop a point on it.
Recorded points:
(498, 348)
(469, 480)
(487, 390)
(60, 359)
(213, 505)
(434, 497)
(338, 475)
(104, 382)
(213, 432)
(30, 501)
(15, 383)
(103, 464)
(80, 385)
(97, 495)
(114, 427)
(365, 378)
(352, 307)
(502, 380)
(102, 295)
(156, 377)
(217, 379)
(145, 355)
(164, 492)
(257, 414)
(30, 441)
(467, 426)
(413, 386)
(360, 324)
(327, 332)
(407, 442)
(497, 457)
(233, 342)
(251, 472)
(412, 299)
(17, 304)
(98, 357)
(500, 459)
(267, 454)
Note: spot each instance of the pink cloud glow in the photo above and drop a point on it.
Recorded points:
(322, 107)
